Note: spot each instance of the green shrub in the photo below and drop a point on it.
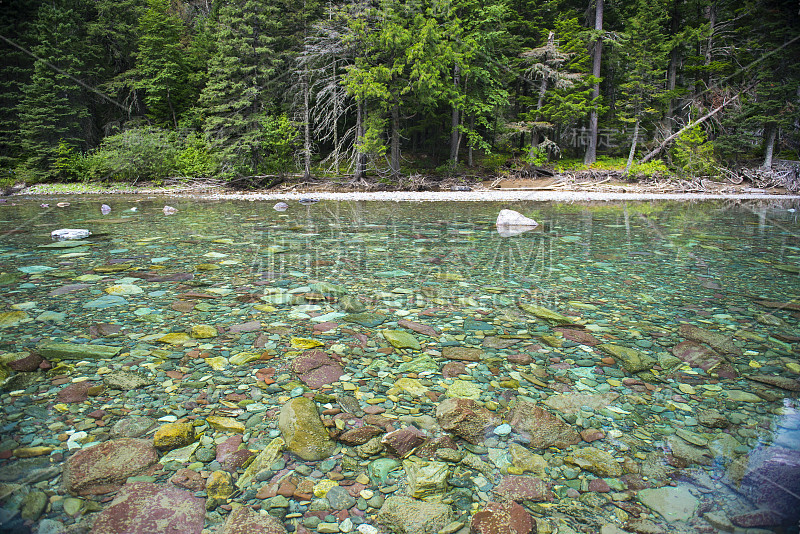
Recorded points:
(132, 155)
(280, 143)
(650, 169)
(194, 158)
(692, 155)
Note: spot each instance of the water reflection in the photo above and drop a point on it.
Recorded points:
(657, 341)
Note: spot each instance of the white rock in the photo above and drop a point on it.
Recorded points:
(514, 218)
(366, 529)
(70, 233)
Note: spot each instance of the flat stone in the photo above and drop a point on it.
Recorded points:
(464, 389)
(545, 430)
(596, 461)
(418, 328)
(203, 331)
(171, 436)
(77, 351)
(146, 508)
(245, 520)
(125, 380)
(262, 461)
(104, 467)
(405, 515)
(400, 339)
(175, 338)
(548, 315)
(502, 518)
(369, 320)
(107, 301)
(467, 354)
(465, 418)
(225, 424)
(673, 503)
(402, 442)
(783, 382)
(632, 360)
(316, 368)
(521, 487)
(717, 341)
(571, 403)
(124, 289)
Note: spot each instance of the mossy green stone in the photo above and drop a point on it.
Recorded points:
(12, 318)
(550, 316)
(401, 339)
(203, 331)
(631, 359)
(76, 351)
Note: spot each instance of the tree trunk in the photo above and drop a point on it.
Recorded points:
(650, 155)
(306, 130)
(454, 120)
(633, 147)
(672, 68)
(591, 150)
(394, 162)
(469, 145)
(361, 158)
(770, 134)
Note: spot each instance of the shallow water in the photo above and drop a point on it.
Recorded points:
(711, 410)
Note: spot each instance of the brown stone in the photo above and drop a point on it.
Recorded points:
(465, 418)
(245, 520)
(503, 518)
(545, 429)
(145, 508)
(523, 488)
(188, 479)
(360, 435)
(105, 467)
(467, 354)
(402, 442)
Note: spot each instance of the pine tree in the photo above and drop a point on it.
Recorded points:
(55, 105)
(236, 100)
(161, 68)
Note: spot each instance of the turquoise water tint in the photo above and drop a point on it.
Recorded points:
(626, 367)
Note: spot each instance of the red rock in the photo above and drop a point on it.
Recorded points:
(147, 508)
(578, 336)
(287, 488)
(520, 358)
(599, 485)
(453, 369)
(521, 488)
(175, 375)
(316, 368)
(245, 520)
(28, 364)
(104, 329)
(250, 326)
(592, 434)
(697, 355)
(429, 448)
(104, 467)
(189, 295)
(74, 392)
(466, 418)
(466, 354)
(545, 429)
(758, 518)
(230, 456)
(97, 414)
(374, 410)
(503, 518)
(401, 442)
(419, 328)
(324, 327)
(188, 479)
(360, 435)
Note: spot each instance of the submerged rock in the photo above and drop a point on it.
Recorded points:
(104, 467)
(503, 518)
(405, 515)
(544, 429)
(303, 431)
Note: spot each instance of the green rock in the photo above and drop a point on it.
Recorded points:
(76, 351)
(379, 470)
(427, 480)
(8, 278)
(303, 431)
(351, 304)
(631, 359)
(33, 505)
(370, 320)
(203, 331)
(674, 504)
(124, 289)
(597, 461)
(243, 358)
(72, 506)
(328, 289)
(464, 389)
(401, 339)
(263, 461)
(419, 364)
(548, 315)
(12, 318)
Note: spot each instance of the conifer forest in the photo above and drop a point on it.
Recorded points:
(148, 90)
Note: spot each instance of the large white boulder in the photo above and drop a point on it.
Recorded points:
(510, 223)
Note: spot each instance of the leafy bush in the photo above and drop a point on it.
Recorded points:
(132, 155)
(692, 155)
(536, 156)
(280, 142)
(194, 158)
(648, 170)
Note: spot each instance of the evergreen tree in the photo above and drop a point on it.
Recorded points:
(161, 69)
(235, 100)
(55, 105)
(643, 50)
